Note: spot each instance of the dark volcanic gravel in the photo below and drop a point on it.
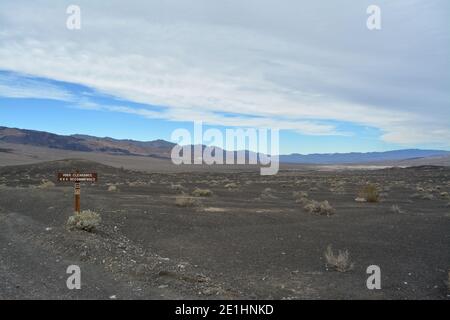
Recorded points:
(249, 239)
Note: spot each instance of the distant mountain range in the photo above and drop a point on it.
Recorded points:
(162, 148)
(77, 142)
(360, 157)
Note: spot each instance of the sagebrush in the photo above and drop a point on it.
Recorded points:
(340, 261)
(370, 193)
(202, 192)
(184, 201)
(86, 220)
(319, 207)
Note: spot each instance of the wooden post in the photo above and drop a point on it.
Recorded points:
(77, 197)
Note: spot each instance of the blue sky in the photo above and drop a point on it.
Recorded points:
(313, 70)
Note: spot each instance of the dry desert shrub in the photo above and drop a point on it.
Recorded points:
(184, 201)
(202, 192)
(46, 184)
(423, 196)
(86, 220)
(300, 194)
(303, 201)
(267, 193)
(427, 196)
(337, 186)
(300, 197)
(396, 209)
(177, 187)
(231, 185)
(319, 207)
(136, 183)
(370, 193)
(340, 262)
(213, 183)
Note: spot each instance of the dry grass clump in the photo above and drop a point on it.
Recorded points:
(423, 196)
(313, 206)
(427, 196)
(396, 209)
(86, 220)
(267, 193)
(112, 188)
(177, 187)
(136, 183)
(340, 262)
(370, 193)
(300, 194)
(301, 197)
(213, 183)
(46, 184)
(337, 186)
(303, 201)
(231, 185)
(319, 207)
(202, 192)
(184, 201)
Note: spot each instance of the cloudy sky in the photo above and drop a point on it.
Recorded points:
(140, 69)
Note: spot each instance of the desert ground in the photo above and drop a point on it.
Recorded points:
(224, 235)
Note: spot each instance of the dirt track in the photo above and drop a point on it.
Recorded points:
(242, 242)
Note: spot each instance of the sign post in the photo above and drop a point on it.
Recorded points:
(77, 193)
(77, 178)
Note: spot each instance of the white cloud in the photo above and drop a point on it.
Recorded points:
(210, 118)
(13, 86)
(293, 65)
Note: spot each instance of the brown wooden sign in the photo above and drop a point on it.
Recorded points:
(77, 177)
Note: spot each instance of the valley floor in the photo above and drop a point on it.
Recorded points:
(250, 238)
